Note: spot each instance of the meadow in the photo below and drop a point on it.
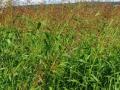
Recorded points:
(60, 47)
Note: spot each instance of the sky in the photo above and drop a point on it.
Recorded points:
(41, 1)
(33, 2)
(53, 1)
(24, 2)
(37, 1)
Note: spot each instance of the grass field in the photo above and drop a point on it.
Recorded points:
(60, 47)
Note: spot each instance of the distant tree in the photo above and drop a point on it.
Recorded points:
(28, 1)
(2, 3)
(5, 3)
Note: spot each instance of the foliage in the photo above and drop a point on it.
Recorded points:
(44, 54)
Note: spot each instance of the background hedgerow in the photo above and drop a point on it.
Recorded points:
(55, 47)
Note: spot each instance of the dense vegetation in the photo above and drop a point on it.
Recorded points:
(64, 47)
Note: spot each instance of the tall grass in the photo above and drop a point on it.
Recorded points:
(41, 55)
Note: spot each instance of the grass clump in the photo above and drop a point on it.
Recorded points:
(40, 55)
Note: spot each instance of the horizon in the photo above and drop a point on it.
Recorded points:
(37, 2)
